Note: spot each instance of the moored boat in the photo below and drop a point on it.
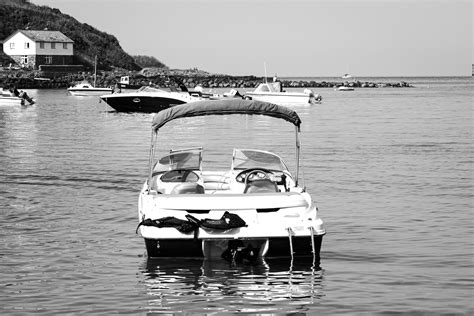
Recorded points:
(15, 97)
(274, 93)
(147, 100)
(124, 83)
(256, 208)
(345, 88)
(84, 88)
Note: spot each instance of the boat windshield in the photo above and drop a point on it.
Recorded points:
(149, 89)
(180, 159)
(268, 87)
(250, 158)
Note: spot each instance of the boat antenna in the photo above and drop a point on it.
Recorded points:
(95, 69)
(265, 69)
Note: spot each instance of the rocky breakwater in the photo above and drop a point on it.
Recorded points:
(252, 82)
(170, 78)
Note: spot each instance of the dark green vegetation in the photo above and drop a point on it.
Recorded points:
(88, 41)
(147, 61)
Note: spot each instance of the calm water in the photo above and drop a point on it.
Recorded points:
(391, 170)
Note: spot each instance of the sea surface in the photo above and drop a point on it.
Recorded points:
(391, 170)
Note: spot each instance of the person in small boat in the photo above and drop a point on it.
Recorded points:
(22, 95)
(14, 91)
(117, 88)
(277, 84)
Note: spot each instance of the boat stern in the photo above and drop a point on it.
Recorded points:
(276, 224)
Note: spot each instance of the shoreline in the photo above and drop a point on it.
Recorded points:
(37, 80)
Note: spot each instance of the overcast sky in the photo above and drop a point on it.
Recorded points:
(292, 37)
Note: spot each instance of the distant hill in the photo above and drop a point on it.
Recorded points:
(88, 41)
(147, 61)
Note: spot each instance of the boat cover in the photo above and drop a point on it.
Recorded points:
(225, 107)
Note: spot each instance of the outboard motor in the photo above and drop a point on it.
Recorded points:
(313, 97)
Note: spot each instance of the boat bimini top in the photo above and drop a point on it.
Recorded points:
(224, 107)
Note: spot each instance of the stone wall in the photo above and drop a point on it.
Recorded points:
(34, 61)
(58, 79)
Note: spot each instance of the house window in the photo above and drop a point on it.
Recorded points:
(12, 45)
(27, 45)
(24, 59)
(48, 60)
(41, 44)
(53, 45)
(65, 45)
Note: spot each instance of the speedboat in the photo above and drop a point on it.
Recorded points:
(84, 88)
(147, 99)
(15, 97)
(273, 92)
(199, 92)
(345, 88)
(255, 208)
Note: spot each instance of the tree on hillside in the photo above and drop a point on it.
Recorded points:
(148, 61)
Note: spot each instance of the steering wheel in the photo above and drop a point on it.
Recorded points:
(253, 174)
(180, 175)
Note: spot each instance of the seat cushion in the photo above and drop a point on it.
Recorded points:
(261, 186)
(187, 188)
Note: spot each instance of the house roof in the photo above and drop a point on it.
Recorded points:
(44, 36)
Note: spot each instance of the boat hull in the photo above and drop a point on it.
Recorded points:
(344, 88)
(128, 86)
(193, 248)
(282, 98)
(15, 101)
(145, 104)
(89, 92)
(10, 101)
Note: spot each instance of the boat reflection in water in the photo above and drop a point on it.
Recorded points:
(200, 286)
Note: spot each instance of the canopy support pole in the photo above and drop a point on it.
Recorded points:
(150, 159)
(298, 148)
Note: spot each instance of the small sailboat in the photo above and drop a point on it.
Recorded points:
(84, 88)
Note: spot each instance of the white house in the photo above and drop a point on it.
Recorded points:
(30, 48)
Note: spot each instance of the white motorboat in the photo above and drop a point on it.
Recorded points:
(345, 88)
(255, 208)
(147, 100)
(21, 98)
(273, 92)
(84, 88)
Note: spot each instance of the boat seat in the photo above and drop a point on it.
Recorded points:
(261, 186)
(216, 181)
(188, 188)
